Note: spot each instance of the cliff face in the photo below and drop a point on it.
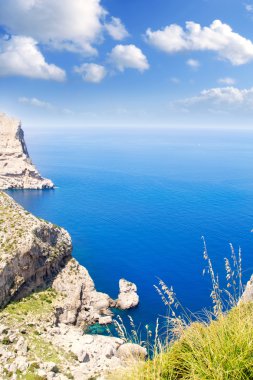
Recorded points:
(36, 261)
(35, 254)
(32, 251)
(16, 168)
(42, 335)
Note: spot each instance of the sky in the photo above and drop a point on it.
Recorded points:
(127, 63)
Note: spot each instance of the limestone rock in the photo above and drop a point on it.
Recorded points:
(35, 255)
(130, 351)
(105, 320)
(96, 353)
(128, 296)
(81, 303)
(32, 251)
(16, 168)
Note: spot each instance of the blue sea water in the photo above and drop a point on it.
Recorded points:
(137, 201)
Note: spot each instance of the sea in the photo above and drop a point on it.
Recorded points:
(137, 202)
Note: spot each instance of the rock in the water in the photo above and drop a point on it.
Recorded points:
(130, 351)
(35, 255)
(16, 168)
(105, 320)
(128, 296)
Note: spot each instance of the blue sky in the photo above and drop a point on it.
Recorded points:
(127, 63)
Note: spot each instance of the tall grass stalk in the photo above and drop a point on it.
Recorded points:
(218, 346)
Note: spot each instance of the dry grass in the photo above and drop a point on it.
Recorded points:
(218, 347)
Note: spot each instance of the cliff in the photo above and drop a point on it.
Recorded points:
(35, 254)
(16, 168)
(41, 335)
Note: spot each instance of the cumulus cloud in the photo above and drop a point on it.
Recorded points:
(116, 29)
(193, 63)
(36, 103)
(227, 80)
(91, 72)
(61, 24)
(20, 56)
(128, 57)
(217, 37)
(220, 98)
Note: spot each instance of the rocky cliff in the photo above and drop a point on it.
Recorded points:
(35, 254)
(16, 168)
(42, 334)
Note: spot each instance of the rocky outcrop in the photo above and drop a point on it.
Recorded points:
(81, 303)
(35, 260)
(76, 355)
(16, 168)
(131, 351)
(32, 251)
(128, 296)
(35, 254)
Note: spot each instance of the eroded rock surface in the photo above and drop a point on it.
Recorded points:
(36, 254)
(128, 296)
(16, 168)
(81, 304)
(32, 251)
(36, 262)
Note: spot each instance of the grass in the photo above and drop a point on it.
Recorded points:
(37, 304)
(28, 316)
(217, 347)
(219, 350)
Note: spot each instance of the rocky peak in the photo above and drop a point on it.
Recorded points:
(16, 168)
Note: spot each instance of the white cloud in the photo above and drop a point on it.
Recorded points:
(249, 7)
(61, 24)
(91, 72)
(218, 37)
(116, 29)
(36, 103)
(44, 105)
(128, 57)
(220, 97)
(227, 80)
(193, 63)
(20, 56)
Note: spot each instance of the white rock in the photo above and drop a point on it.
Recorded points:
(41, 373)
(82, 304)
(105, 320)
(21, 363)
(51, 367)
(128, 296)
(21, 346)
(3, 329)
(16, 168)
(132, 351)
(80, 351)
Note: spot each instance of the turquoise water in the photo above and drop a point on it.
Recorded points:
(137, 201)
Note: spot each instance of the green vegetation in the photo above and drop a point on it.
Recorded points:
(220, 350)
(218, 347)
(37, 305)
(30, 317)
